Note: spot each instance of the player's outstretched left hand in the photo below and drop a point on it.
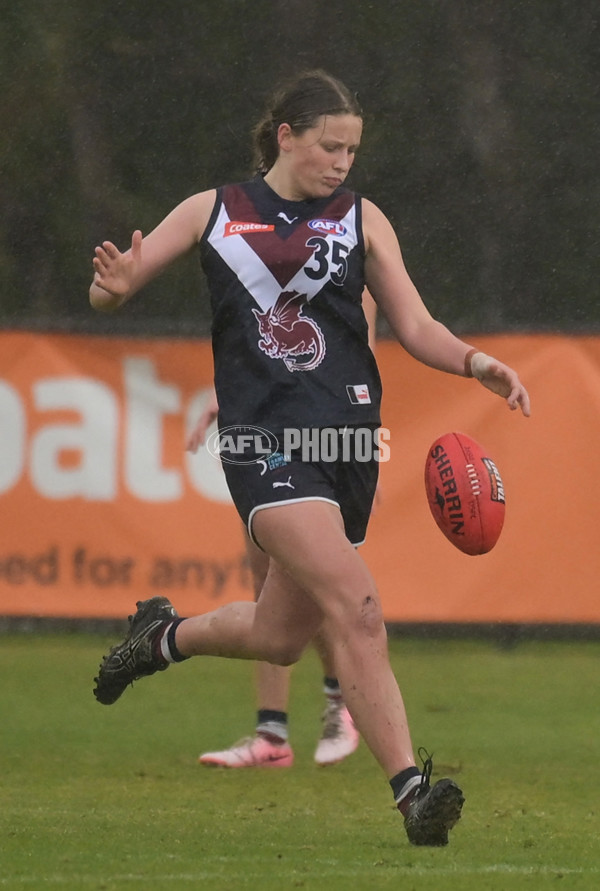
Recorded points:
(116, 272)
(502, 380)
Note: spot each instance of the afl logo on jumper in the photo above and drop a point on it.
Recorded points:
(328, 227)
(287, 334)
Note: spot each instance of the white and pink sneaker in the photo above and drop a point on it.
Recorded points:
(254, 751)
(339, 738)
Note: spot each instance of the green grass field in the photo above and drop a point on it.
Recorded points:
(98, 797)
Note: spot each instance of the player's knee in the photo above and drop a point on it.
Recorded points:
(371, 617)
(284, 653)
(287, 658)
(365, 618)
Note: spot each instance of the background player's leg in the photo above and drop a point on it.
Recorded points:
(339, 736)
(269, 746)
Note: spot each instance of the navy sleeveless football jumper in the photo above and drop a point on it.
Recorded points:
(290, 339)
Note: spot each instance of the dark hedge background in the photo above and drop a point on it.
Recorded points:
(481, 144)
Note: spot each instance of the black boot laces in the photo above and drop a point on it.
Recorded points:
(427, 760)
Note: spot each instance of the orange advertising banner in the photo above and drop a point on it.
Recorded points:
(101, 505)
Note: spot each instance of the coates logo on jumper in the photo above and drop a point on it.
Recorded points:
(328, 227)
(242, 444)
(233, 227)
(285, 333)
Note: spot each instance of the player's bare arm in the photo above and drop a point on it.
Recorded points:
(394, 292)
(420, 334)
(119, 275)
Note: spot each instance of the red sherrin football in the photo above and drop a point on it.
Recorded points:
(465, 493)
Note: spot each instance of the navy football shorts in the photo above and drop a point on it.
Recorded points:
(265, 481)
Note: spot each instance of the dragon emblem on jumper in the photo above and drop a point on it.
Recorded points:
(285, 333)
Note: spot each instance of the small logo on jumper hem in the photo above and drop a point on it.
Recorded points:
(358, 394)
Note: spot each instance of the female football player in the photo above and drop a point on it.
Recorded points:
(286, 256)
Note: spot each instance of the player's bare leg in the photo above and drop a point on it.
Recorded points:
(324, 563)
(308, 540)
(277, 629)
